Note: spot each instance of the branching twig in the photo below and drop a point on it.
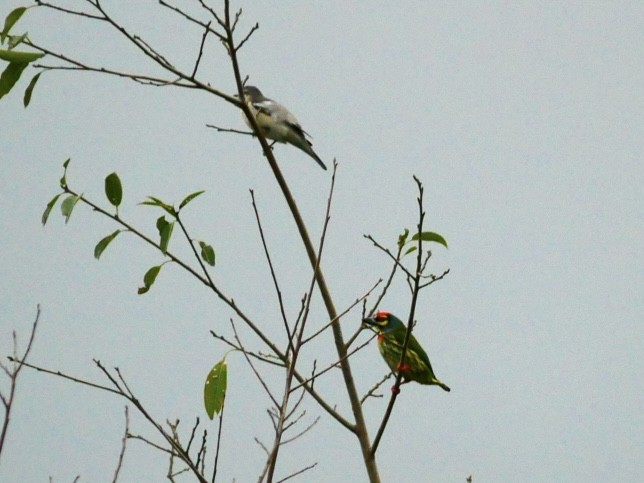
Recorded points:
(371, 391)
(13, 373)
(410, 323)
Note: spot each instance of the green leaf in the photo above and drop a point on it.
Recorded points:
(68, 204)
(430, 236)
(149, 278)
(410, 249)
(113, 189)
(10, 76)
(102, 245)
(152, 201)
(165, 232)
(214, 391)
(49, 207)
(30, 89)
(15, 40)
(10, 20)
(207, 253)
(20, 57)
(402, 239)
(189, 198)
(63, 180)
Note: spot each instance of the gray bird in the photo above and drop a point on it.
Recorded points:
(277, 123)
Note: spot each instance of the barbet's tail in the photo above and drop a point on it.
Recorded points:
(443, 386)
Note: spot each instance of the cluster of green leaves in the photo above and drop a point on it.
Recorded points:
(426, 236)
(216, 381)
(17, 60)
(114, 194)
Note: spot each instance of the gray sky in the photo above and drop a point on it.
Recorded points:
(524, 121)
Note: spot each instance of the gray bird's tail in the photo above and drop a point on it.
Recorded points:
(311, 153)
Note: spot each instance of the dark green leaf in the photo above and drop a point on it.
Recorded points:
(102, 245)
(207, 253)
(410, 249)
(113, 189)
(30, 89)
(402, 239)
(165, 233)
(20, 57)
(67, 206)
(189, 198)
(10, 76)
(152, 201)
(15, 40)
(214, 391)
(63, 180)
(49, 207)
(430, 236)
(10, 20)
(149, 278)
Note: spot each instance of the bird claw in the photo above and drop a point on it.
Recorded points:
(395, 389)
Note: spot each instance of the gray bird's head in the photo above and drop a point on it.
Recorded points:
(253, 93)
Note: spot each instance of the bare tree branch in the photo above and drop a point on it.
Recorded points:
(13, 374)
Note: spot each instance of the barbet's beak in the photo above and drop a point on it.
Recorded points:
(369, 323)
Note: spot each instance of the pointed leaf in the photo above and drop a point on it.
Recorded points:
(149, 278)
(102, 245)
(152, 201)
(189, 198)
(214, 391)
(15, 40)
(10, 20)
(430, 236)
(410, 249)
(30, 89)
(165, 232)
(20, 57)
(10, 76)
(207, 253)
(113, 189)
(49, 207)
(67, 206)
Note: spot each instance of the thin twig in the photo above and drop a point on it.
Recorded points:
(394, 267)
(40, 3)
(203, 41)
(389, 254)
(221, 423)
(299, 472)
(342, 314)
(123, 445)
(236, 131)
(278, 291)
(252, 366)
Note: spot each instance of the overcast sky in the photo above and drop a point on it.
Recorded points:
(525, 122)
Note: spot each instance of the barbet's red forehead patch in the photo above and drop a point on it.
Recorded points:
(382, 315)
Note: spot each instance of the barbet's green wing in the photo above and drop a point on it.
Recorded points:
(417, 366)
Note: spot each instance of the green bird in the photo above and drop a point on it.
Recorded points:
(391, 338)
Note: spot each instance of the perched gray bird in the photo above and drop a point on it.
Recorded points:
(277, 123)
